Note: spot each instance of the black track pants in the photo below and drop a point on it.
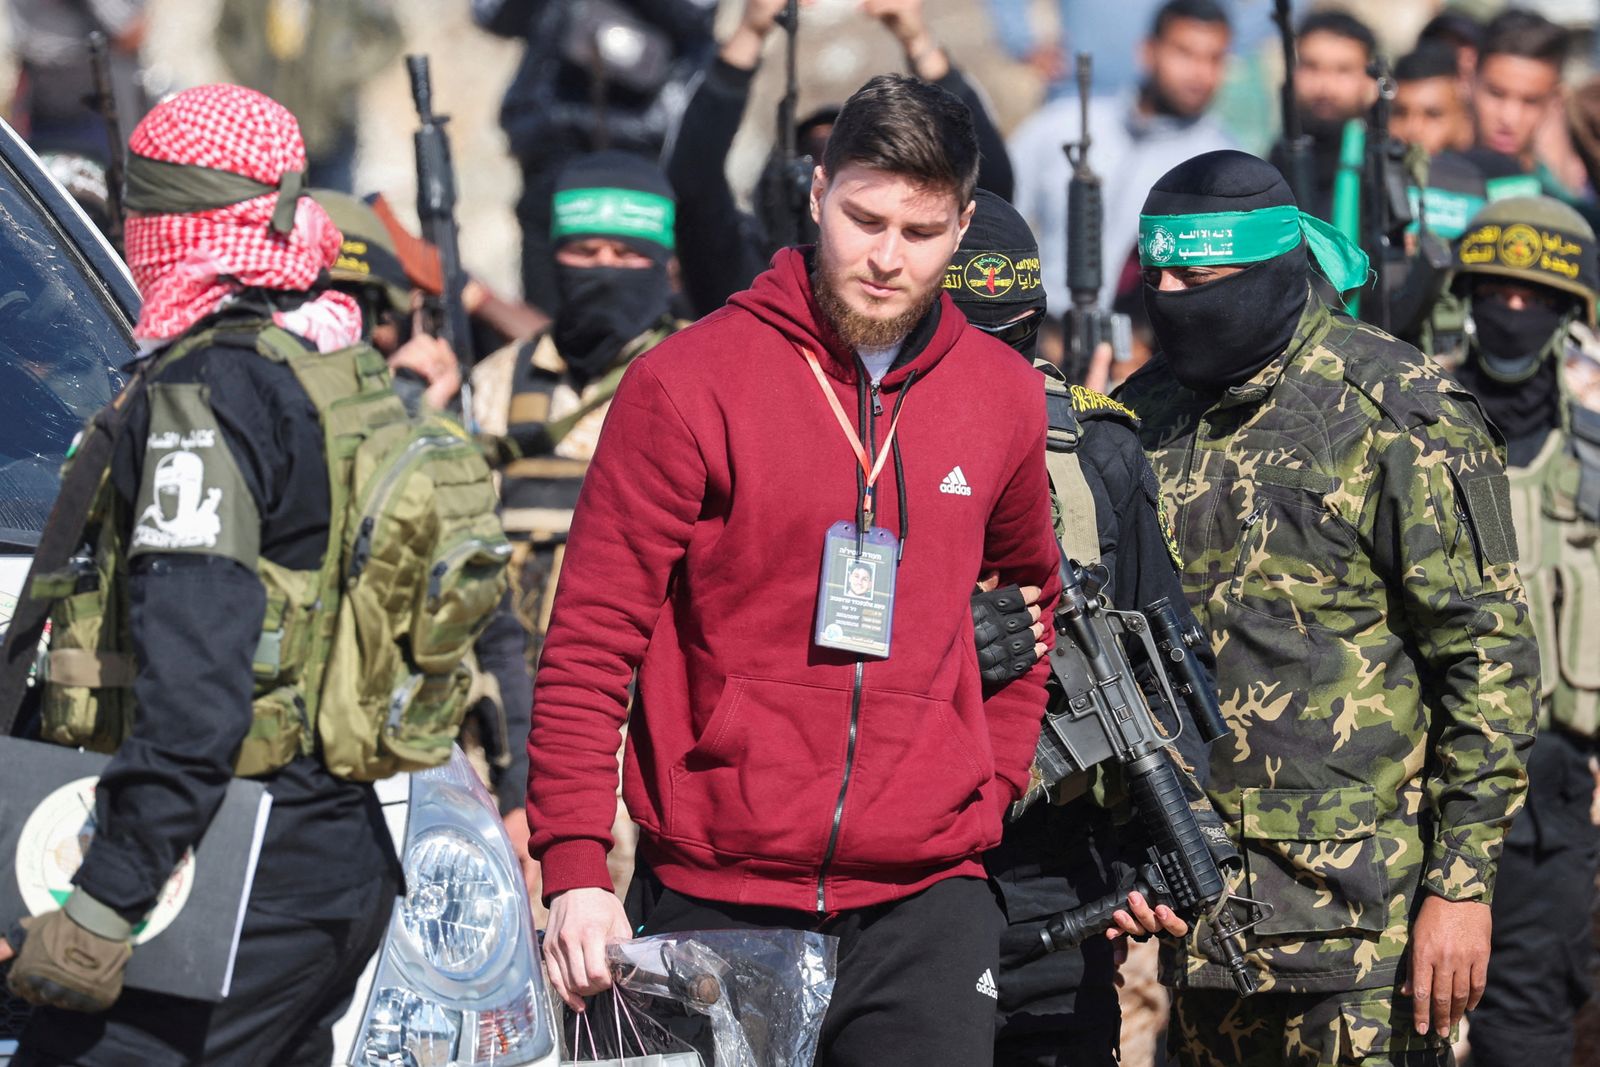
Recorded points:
(916, 977)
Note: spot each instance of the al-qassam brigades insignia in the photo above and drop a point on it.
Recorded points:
(1162, 244)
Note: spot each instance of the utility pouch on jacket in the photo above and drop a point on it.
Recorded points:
(360, 660)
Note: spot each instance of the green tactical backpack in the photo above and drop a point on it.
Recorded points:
(359, 661)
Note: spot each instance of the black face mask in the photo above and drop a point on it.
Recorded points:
(604, 308)
(1522, 411)
(1509, 343)
(1221, 333)
(1022, 335)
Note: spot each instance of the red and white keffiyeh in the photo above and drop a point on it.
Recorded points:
(187, 266)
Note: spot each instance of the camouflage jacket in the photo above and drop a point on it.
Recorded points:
(1346, 537)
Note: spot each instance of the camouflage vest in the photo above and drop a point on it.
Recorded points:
(360, 660)
(1560, 566)
(538, 493)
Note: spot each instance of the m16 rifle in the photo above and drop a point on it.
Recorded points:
(1390, 202)
(1088, 327)
(436, 209)
(1101, 714)
(104, 101)
(1296, 143)
(790, 179)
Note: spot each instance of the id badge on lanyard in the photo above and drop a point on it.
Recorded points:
(855, 602)
(855, 591)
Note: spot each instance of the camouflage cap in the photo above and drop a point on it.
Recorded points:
(367, 255)
(1533, 239)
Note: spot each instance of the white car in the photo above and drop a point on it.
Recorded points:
(457, 981)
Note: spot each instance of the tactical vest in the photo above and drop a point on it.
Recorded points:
(360, 660)
(1560, 565)
(1071, 502)
(538, 493)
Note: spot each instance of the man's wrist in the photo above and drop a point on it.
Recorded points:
(926, 57)
(97, 918)
(743, 48)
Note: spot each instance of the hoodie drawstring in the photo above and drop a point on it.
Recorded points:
(900, 473)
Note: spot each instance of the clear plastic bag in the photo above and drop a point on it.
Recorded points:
(764, 992)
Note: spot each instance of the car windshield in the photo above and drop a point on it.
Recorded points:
(61, 341)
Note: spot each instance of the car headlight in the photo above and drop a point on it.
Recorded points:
(458, 980)
(456, 902)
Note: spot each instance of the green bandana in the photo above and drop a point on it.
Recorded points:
(613, 213)
(156, 187)
(1239, 237)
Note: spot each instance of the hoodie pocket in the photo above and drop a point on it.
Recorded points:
(762, 777)
(914, 788)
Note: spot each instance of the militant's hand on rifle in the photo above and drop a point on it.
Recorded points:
(432, 360)
(743, 48)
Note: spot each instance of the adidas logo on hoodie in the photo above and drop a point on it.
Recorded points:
(955, 483)
(986, 986)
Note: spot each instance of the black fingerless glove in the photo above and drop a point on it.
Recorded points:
(1003, 627)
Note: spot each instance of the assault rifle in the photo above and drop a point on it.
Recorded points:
(1087, 326)
(104, 101)
(1102, 714)
(1296, 144)
(791, 177)
(436, 209)
(1390, 212)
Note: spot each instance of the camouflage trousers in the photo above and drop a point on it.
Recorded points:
(1370, 1027)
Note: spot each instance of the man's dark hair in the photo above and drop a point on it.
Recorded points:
(1524, 34)
(909, 128)
(1193, 10)
(1340, 24)
(1454, 28)
(1434, 59)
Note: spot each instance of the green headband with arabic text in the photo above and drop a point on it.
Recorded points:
(1237, 238)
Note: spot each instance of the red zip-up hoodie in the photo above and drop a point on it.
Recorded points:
(761, 768)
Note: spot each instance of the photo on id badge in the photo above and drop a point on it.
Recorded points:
(855, 603)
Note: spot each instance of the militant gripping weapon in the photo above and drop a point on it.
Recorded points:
(1087, 326)
(790, 192)
(1296, 143)
(1105, 715)
(104, 101)
(436, 209)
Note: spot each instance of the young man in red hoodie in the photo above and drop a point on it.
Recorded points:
(784, 769)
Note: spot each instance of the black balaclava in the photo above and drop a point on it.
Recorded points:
(604, 308)
(1220, 334)
(1512, 368)
(994, 277)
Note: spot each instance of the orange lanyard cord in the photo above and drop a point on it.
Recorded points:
(871, 469)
